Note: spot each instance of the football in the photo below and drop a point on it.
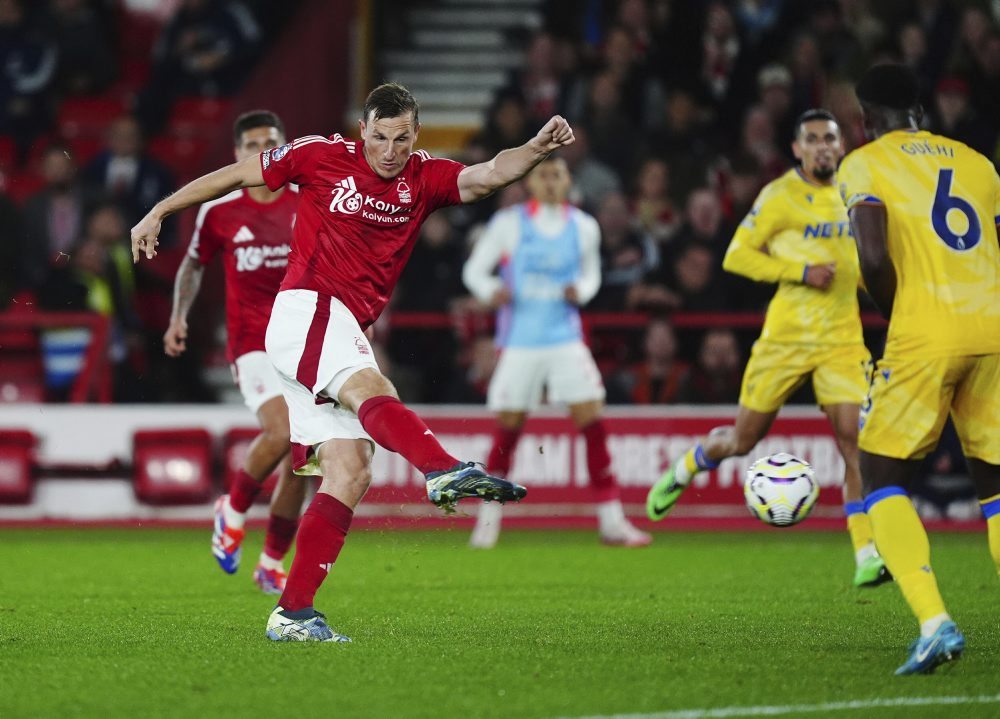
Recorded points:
(780, 489)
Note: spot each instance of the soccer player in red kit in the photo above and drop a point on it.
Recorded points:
(252, 228)
(361, 209)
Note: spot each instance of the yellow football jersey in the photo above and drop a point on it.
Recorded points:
(942, 200)
(795, 223)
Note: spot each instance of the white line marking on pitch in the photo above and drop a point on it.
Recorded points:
(724, 712)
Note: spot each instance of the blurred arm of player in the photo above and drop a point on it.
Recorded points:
(499, 239)
(245, 173)
(869, 224)
(589, 282)
(748, 255)
(186, 286)
(478, 181)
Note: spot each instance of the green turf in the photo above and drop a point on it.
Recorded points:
(141, 623)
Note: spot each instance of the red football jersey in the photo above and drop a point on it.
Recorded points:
(255, 239)
(355, 230)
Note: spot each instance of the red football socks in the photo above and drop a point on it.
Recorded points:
(602, 479)
(321, 537)
(243, 491)
(280, 534)
(397, 428)
(502, 451)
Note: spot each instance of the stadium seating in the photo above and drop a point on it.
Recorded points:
(172, 466)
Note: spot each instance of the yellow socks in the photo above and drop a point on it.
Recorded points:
(991, 510)
(692, 462)
(859, 527)
(902, 541)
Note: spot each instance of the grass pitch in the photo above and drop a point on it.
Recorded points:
(115, 623)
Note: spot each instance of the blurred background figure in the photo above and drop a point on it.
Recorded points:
(715, 376)
(54, 216)
(124, 172)
(656, 378)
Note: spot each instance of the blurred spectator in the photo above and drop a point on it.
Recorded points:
(808, 78)
(28, 60)
(685, 142)
(82, 35)
(865, 26)
(592, 179)
(53, 217)
(742, 180)
(657, 377)
(715, 377)
(984, 79)
(506, 125)
(698, 281)
(689, 279)
(539, 82)
(774, 85)
(97, 277)
(953, 117)
(622, 53)
(725, 62)
(703, 222)
(758, 138)
(205, 49)
(651, 205)
(429, 282)
(126, 173)
(840, 52)
(608, 123)
(973, 29)
(626, 254)
(912, 42)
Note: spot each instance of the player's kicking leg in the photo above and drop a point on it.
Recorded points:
(394, 426)
(721, 443)
(869, 568)
(345, 465)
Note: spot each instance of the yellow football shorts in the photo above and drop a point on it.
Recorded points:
(909, 400)
(777, 369)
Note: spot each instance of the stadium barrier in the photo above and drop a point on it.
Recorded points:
(88, 468)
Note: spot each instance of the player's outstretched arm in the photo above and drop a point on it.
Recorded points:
(245, 173)
(186, 286)
(869, 224)
(478, 181)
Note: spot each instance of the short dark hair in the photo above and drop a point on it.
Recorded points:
(891, 86)
(816, 113)
(254, 119)
(390, 99)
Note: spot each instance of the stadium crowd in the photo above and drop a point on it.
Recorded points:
(682, 112)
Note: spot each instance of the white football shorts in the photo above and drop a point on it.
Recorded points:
(257, 379)
(567, 371)
(316, 344)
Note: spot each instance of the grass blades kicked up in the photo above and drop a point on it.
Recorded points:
(109, 623)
